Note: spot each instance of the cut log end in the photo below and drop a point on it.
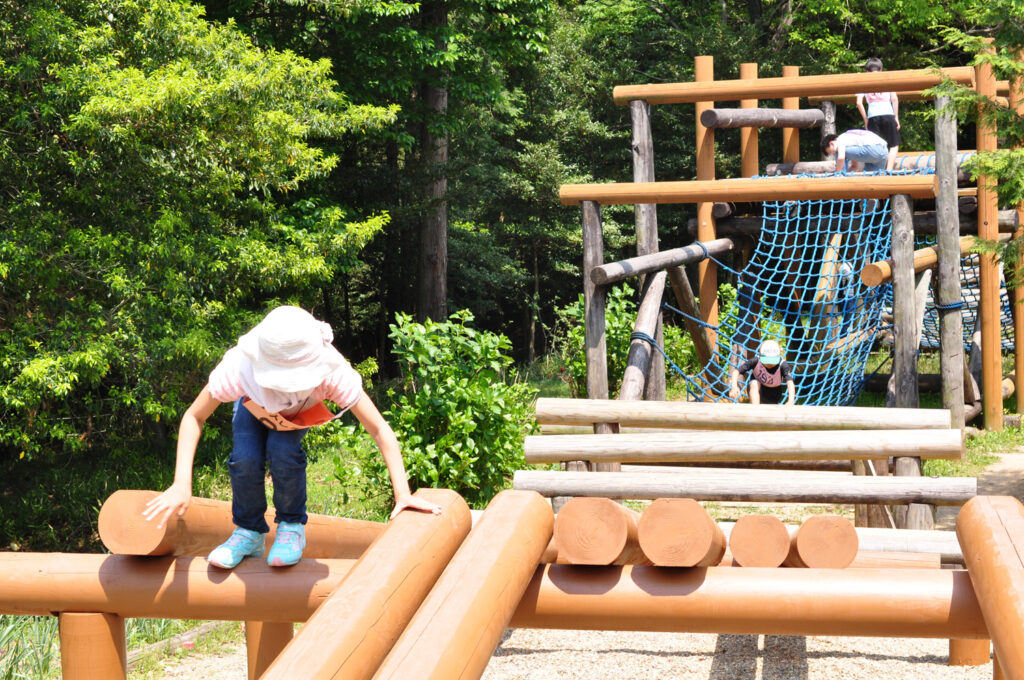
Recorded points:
(823, 542)
(124, 531)
(759, 541)
(678, 532)
(594, 531)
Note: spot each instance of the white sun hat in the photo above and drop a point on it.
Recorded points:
(290, 350)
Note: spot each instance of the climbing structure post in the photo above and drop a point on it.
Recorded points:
(790, 135)
(92, 646)
(648, 318)
(647, 226)
(707, 272)
(988, 228)
(264, 640)
(1017, 103)
(749, 155)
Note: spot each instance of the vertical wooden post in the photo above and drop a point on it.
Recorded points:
(948, 294)
(1017, 103)
(594, 325)
(988, 228)
(969, 652)
(92, 646)
(647, 228)
(264, 640)
(707, 272)
(790, 136)
(828, 127)
(749, 153)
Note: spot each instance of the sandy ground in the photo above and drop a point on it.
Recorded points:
(526, 654)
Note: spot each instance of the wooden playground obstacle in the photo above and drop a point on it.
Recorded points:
(823, 542)
(460, 623)
(991, 531)
(759, 541)
(92, 645)
(678, 532)
(877, 273)
(207, 523)
(597, 531)
(348, 636)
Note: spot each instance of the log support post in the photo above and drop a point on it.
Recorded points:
(969, 652)
(264, 640)
(749, 153)
(92, 646)
(707, 272)
(1017, 103)
(790, 136)
(829, 126)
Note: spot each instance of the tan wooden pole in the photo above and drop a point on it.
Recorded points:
(39, 584)
(354, 628)
(759, 541)
(459, 625)
(264, 640)
(597, 531)
(988, 207)
(678, 532)
(823, 541)
(207, 523)
(991, 532)
(790, 136)
(932, 603)
(969, 652)
(92, 646)
(1017, 294)
(707, 272)
(877, 273)
(749, 141)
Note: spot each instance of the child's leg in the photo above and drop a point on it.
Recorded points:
(247, 466)
(287, 460)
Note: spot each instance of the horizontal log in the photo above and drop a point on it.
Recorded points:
(710, 416)
(823, 542)
(911, 160)
(924, 222)
(768, 118)
(758, 541)
(767, 445)
(749, 189)
(880, 272)
(40, 584)
(207, 523)
(768, 466)
(597, 531)
(732, 487)
(870, 559)
(621, 270)
(931, 603)
(679, 532)
(724, 209)
(789, 86)
(738, 470)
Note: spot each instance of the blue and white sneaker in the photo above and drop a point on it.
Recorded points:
(242, 543)
(288, 545)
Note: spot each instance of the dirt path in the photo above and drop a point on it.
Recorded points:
(560, 655)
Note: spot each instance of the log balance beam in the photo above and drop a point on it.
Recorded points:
(207, 523)
(460, 623)
(699, 415)
(991, 531)
(932, 603)
(613, 272)
(356, 626)
(790, 86)
(708, 486)
(748, 189)
(724, 446)
(877, 273)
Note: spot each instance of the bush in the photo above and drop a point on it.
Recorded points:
(459, 411)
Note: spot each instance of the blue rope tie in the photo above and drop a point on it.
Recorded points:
(950, 306)
(707, 255)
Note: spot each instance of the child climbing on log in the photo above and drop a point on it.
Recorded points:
(859, 149)
(772, 377)
(277, 377)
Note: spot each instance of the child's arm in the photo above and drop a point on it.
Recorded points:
(734, 383)
(860, 107)
(755, 392)
(366, 412)
(791, 393)
(896, 109)
(176, 499)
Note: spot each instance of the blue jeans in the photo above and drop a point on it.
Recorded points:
(255, 449)
(873, 156)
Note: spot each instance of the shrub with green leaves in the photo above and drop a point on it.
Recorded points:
(459, 412)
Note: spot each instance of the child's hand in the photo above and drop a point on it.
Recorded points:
(174, 501)
(414, 503)
(734, 393)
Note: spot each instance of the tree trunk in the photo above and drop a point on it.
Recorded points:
(531, 344)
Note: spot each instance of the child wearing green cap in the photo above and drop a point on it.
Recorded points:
(771, 374)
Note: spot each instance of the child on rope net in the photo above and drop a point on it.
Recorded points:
(277, 377)
(772, 377)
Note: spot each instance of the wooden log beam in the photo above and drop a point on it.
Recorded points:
(597, 531)
(768, 118)
(877, 273)
(613, 272)
(678, 532)
(207, 523)
(638, 361)
(823, 542)
(727, 486)
(759, 541)
(872, 559)
(925, 222)
(456, 630)
(748, 189)
(991, 531)
(354, 629)
(932, 603)
(907, 160)
(681, 414)
(39, 584)
(800, 86)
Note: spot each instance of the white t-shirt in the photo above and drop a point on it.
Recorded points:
(879, 103)
(859, 137)
(233, 379)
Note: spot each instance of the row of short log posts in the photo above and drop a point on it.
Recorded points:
(988, 228)
(647, 232)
